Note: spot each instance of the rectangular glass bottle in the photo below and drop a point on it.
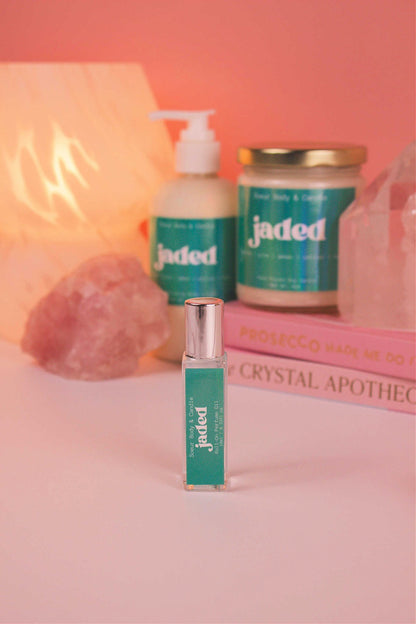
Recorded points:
(204, 370)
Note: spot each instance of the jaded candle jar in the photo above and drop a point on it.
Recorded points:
(291, 197)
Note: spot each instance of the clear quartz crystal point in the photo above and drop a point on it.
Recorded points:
(377, 250)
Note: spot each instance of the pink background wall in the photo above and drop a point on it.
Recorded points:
(273, 69)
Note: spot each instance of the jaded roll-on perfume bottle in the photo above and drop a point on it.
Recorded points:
(204, 368)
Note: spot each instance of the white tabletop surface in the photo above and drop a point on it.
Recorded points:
(317, 526)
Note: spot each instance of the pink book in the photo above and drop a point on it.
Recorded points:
(321, 338)
(320, 380)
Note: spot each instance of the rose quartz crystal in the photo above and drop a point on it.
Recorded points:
(376, 280)
(97, 322)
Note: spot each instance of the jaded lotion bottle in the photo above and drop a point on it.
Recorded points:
(193, 227)
(204, 368)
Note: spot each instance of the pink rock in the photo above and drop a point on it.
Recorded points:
(97, 322)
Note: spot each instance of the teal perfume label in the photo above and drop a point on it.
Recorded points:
(288, 238)
(193, 257)
(204, 423)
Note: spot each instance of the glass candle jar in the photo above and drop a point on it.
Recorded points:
(290, 199)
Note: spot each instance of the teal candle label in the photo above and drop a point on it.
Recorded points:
(288, 238)
(193, 257)
(204, 423)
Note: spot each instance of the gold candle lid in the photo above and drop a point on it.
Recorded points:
(303, 155)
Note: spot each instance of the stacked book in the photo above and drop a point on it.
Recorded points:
(320, 356)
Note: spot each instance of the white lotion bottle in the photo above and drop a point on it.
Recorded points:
(193, 227)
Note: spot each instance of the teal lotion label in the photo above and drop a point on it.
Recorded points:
(193, 257)
(288, 238)
(204, 426)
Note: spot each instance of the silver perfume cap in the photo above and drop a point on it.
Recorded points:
(203, 327)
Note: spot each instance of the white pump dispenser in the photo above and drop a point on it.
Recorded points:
(192, 226)
(197, 151)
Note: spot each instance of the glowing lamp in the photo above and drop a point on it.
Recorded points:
(79, 161)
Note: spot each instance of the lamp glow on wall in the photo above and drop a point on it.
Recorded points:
(79, 162)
